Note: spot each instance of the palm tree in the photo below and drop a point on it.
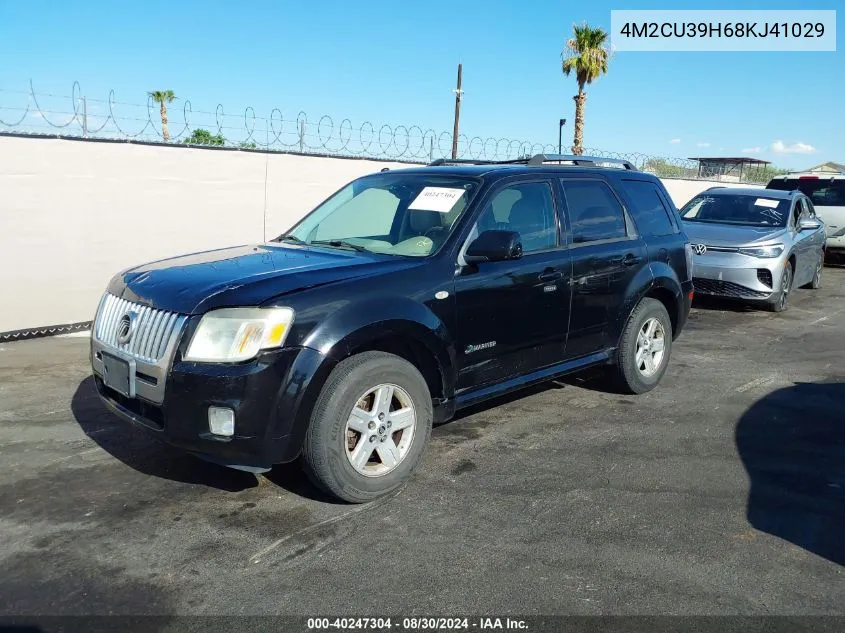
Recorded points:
(586, 55)
(163, 97)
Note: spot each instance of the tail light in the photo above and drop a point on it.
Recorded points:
(688, 252)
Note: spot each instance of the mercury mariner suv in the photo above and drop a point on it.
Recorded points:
(404, 297)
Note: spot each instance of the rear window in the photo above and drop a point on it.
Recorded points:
(824, 192)
(594, 212)
(650, 214)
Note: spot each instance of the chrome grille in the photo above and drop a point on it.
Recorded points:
(152, 330)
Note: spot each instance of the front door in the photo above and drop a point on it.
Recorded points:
(607, 253)
(512, 316)
(806, 248)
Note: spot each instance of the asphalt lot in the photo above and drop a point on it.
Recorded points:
(721, 492)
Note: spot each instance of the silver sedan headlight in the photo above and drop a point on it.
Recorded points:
(766, 252)
(236, 334)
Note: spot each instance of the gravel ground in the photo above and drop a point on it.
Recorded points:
(721, 492)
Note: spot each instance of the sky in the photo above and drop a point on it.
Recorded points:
(395, 62)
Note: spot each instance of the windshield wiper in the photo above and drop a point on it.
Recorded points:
(289, 238)
(340, 244)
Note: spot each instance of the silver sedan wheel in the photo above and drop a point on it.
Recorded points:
(380, 430)
(651, 345)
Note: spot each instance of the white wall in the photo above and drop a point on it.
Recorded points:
(73, 213)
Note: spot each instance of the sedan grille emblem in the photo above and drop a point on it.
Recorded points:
(124, 328)
(699, 249)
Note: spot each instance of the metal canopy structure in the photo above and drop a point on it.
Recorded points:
(726, 168)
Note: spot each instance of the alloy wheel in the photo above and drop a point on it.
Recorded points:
(380, 429)
(651, 346)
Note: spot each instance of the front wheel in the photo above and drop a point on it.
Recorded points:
(370, 427)
(781, 302)
(645, 347)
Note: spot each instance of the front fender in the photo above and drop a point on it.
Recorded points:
(353, 326)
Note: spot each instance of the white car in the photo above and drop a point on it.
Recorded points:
(827, 193)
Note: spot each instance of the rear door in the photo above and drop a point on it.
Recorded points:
(656, 221)
(607, 253)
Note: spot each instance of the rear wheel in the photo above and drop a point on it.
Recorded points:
(369, 428)
(645, 347)
(781, 302)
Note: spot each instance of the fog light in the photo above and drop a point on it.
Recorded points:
(221, 421)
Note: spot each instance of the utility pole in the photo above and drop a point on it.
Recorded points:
(560, 136)
(458, 95)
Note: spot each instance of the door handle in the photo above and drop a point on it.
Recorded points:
(552, 275)
(630, 259)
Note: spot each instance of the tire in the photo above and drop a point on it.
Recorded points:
(630, 368)
(329, 442)
(816, 283)
(781, 302)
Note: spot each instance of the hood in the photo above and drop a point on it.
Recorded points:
(243, 275)
(730, 235)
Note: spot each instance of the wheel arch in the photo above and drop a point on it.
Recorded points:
(663, 286)
(406, 329)
(409, 340)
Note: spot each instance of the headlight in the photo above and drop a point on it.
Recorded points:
(763, 251)
(235, 334)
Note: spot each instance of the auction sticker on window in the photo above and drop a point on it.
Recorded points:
(440, 199)
(766, 202)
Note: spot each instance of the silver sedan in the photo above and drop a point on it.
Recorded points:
(754, 244)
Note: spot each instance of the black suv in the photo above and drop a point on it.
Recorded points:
(404, 297)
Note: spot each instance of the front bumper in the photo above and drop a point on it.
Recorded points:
(271, 396)
(737, 276)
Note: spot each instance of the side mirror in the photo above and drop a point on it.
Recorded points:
(494, 246)
(809, 224)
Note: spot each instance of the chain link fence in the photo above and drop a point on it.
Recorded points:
(27, 112)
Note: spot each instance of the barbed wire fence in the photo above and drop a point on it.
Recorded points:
(27, 112)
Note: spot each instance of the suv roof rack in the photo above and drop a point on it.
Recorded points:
(538, 160)
(810, 175)
(581, 161)
(473, 161)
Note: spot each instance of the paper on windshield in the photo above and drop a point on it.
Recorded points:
(766, 202)
(440, 199)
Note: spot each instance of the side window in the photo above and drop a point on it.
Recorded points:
(594, 212)
(527, 208)
(650, 214)
(810, 208)
(798, 211)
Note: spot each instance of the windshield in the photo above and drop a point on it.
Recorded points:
(737, 209)
(824, 192)
(396, 214)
